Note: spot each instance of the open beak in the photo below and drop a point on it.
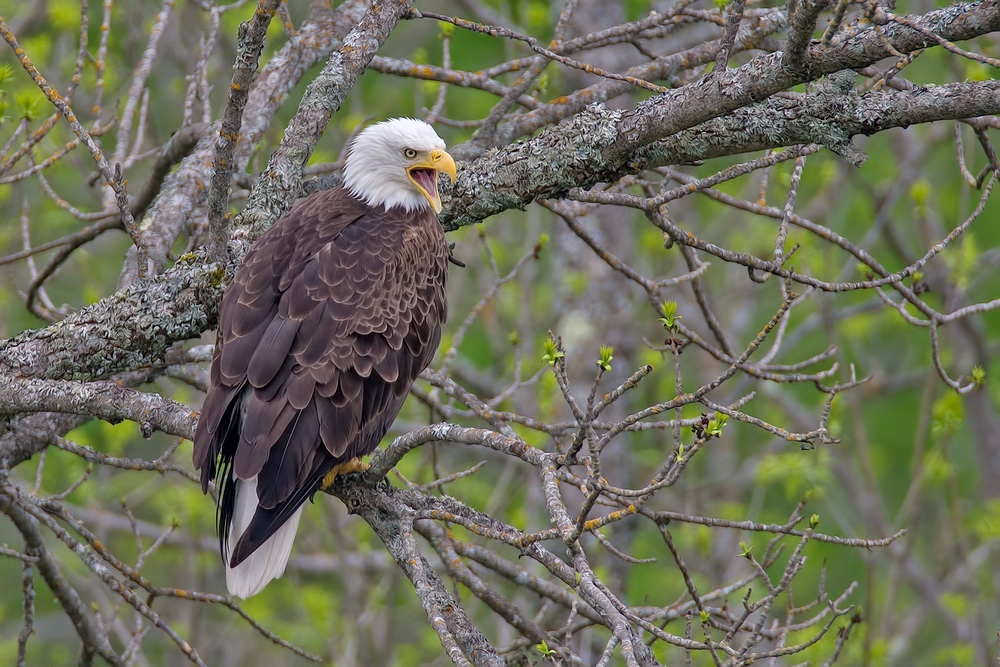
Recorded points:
(424, 175)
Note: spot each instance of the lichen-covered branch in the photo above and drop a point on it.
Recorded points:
(106, 400)
(247, 59)
(385, 510)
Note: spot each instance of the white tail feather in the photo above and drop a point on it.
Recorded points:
(269, 560)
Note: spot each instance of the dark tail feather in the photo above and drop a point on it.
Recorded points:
(266, 522)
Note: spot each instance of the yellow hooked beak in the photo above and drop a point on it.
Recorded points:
(423, 174)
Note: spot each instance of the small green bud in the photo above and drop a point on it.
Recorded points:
(716, 425)
(604, 363)
(670, 316)
(814, 521)
(552, 353)
(978, 375)
(544, 649)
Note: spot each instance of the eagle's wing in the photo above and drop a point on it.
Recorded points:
(327, 324)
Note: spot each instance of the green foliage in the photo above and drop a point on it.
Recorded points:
(797, 471)
(986, 521)
(937, 469)
(64, 15)
(921, 193)
(956, 655)
(29, 102)
(6, 72)
(948, 413)
(963, 259)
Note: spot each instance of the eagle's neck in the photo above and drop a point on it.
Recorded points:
(380, 187)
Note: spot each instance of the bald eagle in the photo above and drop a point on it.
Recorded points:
(335, 311)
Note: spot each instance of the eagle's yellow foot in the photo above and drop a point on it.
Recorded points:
(345, 468)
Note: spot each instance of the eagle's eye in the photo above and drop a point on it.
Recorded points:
(409, 153)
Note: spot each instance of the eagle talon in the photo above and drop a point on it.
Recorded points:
(345, 468)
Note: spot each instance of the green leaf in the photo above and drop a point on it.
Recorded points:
(978, 375)
(544, 649)
(716, 424)
(552, 353)
(670, 316)
(814, 521)
(604, 363)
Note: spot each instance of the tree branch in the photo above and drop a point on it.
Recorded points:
(248, 52)
(94, 641)
(106, 400)
(385, 509)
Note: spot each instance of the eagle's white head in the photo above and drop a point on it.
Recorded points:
(396, 163)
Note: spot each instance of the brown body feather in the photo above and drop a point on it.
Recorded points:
(334, 313)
